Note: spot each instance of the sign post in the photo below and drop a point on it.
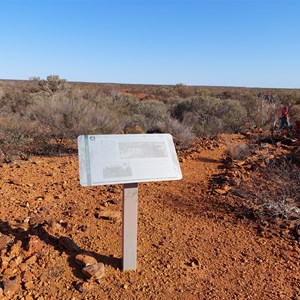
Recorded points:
(127, 159)
(130, 218)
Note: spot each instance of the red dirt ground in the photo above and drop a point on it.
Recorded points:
(189, 246)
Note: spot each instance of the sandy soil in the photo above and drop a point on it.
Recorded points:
(190, 245)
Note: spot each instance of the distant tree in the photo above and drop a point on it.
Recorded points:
(184, 91)
(54, 82)
(51, 85)
(35, 78)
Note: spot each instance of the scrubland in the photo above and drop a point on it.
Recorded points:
(228, 230)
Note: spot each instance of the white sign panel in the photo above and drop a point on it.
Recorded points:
(127, 158)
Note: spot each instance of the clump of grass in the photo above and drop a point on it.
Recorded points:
(237, 152)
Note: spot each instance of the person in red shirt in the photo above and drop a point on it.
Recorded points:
(284, 118)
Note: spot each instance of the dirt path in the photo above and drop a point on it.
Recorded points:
(189, 246)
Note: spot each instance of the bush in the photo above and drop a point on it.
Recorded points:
(18, 135)
(68, 118)
(240, 151)
(210, 116)
(273, 192)
(261, 111)
(295, 113)
(149, 114)
(183, 134)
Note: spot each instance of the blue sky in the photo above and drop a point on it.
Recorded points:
(216, 43)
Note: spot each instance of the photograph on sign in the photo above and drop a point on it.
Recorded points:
(127, 158)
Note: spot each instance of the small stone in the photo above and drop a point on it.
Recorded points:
(85, 286)
(4, 241)
(23, 267)
(220, 191)
(36, 220)
(68, 244)
(226, 187)
(95, 271)
(15, 249)
(10, 271)
(109, 215)
(27, 276)
(85, 260)
(11, 286)
(29, 285)
(31, 260)
(4, 263)
(35, 245)
(18, 260)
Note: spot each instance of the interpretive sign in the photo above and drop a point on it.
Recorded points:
(127, 159)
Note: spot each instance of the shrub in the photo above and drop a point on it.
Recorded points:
(149, 114)
(18, 135)
(68, 118)
(261, 111)
(274, 191)
(284, 200)
(240, 151)
(295, 113)
(183, 134)
(232, 114)
(210, 116)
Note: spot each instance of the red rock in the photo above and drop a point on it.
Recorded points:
(85, 260)
(4, 262)
(10, 271)
(220, 191)
(27, 276)
(29, 285)
(95, 271)
(35, 245)
(4, 241)
(31, 260)
(68, 244)
(23, 267)
(15, 249)
(18, 260)
(85, 286)
(36, 220)
(11, 286)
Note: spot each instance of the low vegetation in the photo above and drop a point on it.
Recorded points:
(37, 113)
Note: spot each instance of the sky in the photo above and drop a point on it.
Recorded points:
(246, 43)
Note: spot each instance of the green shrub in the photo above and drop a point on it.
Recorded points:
(149, 113)
(210, 116)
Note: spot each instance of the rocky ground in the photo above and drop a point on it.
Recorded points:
(215, 234)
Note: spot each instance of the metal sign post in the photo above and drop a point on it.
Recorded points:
(130, 213)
